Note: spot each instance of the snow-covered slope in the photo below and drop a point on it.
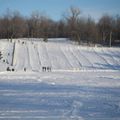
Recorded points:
(84, 82)
(32, 55)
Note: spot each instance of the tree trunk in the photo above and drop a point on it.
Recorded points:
(110, 39)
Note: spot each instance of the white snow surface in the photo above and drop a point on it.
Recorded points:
(69, 63)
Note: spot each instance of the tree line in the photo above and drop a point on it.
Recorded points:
(80, 29)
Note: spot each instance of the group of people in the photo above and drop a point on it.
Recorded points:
(0, 55)
(10, 69)
(46, 69)
(3, 60)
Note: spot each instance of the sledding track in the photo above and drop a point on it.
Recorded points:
(70, 57)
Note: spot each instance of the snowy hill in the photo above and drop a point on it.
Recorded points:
(58, 54)
(84, 82)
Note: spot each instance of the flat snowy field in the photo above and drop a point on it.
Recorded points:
(84, 82)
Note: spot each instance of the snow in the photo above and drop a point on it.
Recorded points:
(33, 100)
(43, 55)
(34, 54)
(84, 82)
(75, 63)
(5, 48)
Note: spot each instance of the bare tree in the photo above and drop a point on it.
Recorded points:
(34, 24)
(117, 27)
(72, 17)
(106, 28)
(6, 23)
(18, 25)
(91, 33)
(12, 25)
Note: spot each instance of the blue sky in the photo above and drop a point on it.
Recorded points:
(55, 8)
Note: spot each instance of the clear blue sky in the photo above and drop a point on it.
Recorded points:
(55, 8)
